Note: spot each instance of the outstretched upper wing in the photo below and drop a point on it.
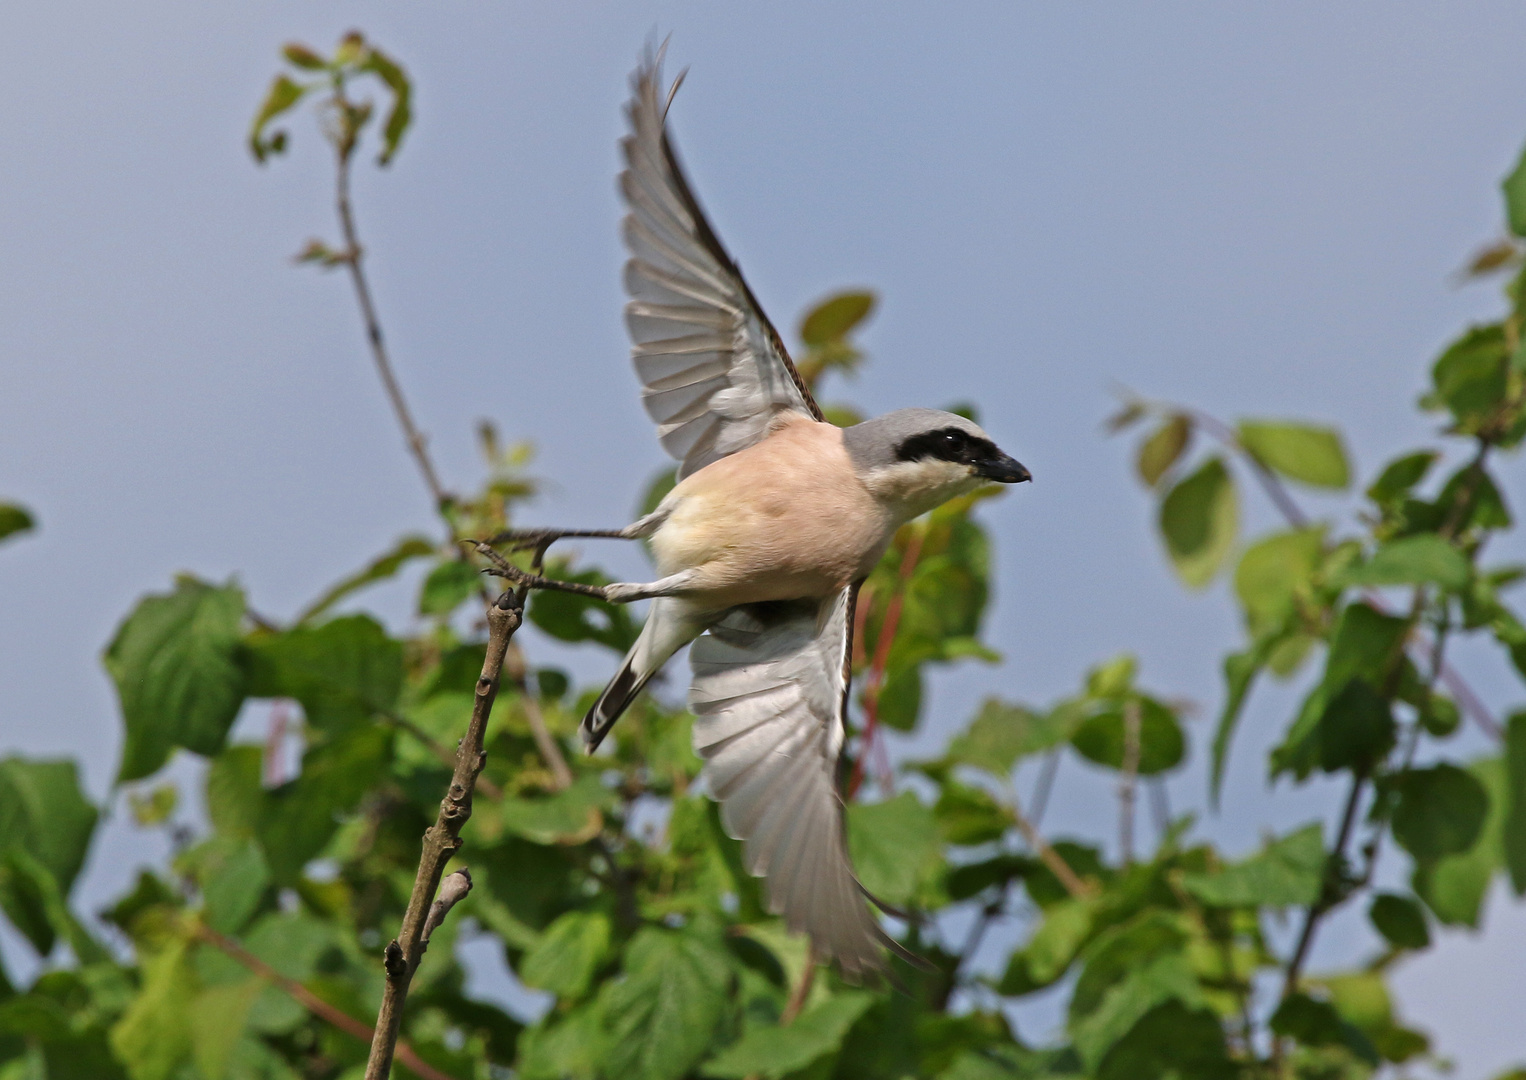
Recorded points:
(770, 687)
(713, 370)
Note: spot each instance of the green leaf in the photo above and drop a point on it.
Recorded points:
(1287, 873)
(900, 697)
(1514, 824)
(449, 585)
(1304, 452)
(401, 113)
(1002, 733)
(1167, 977)
(777, 1051)
(301, 56)
(833, 318)
(1273, 571)
(282, 96)
(1162, 746)
(1425, 559)
(895, 846)
(1401, 920)
(971, 879)
(568, 955)
(1454, 887)
(297, 818)
(1514, 188)
(970, 816)
(1338, 724)
(174, 662)
(1366, 643)
(1199, 519)
(31, 897)
(232, 885)
(1440, 811)
(660, 1017)
(343, 672)
(156, 807)
(1470, 376)
(43, 811)
(1400, 476)
(1049, 953)
(1317, 1023)
(570, 617)
(381, 568)
(1355, 731)
(1240, 671)
(14, 519)
(566, 817)
(218, 1016)
(153, 1037)
(1164, 448)
(1171, 1040)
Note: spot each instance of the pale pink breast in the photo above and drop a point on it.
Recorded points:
(783, 519)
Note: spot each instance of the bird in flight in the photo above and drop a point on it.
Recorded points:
(776, 519)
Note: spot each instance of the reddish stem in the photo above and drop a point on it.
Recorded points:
(876, 678)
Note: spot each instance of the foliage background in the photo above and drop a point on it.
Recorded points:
(1337, 165)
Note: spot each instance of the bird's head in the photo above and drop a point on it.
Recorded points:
(916, 459)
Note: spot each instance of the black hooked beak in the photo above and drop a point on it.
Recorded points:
(1004, 469)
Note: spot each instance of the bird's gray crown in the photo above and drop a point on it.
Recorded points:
(887, 439)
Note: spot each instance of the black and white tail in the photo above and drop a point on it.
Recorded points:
(670, 625)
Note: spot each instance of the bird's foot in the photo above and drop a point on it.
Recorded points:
(501, 567)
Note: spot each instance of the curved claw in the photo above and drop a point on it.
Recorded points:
(503, 568)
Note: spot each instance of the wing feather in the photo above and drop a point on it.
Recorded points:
(680, 279)
(769, 690)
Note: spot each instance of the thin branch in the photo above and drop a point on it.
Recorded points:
(354, 256)
(875, 681)
(1160, 806)
(1282, 499)
(442, 839)
(1044, 786)
(1275, 489)
(550, 751)
(312, 1002)
(802, 990)
(1081, 890)
(1128, 780)
(1328, 889)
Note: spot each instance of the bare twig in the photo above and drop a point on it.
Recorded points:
(312, 1002)
(1328, 895)
(1081, 890)
(1045, 785)
(801, 991)
(1128, 780)
(442, 839)
(518, 672)
(354, 256)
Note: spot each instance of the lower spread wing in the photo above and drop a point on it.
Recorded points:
(713, 371)
(770, 686)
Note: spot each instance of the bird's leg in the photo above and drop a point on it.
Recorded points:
(619, 592)
(540, 539)
(525, 539)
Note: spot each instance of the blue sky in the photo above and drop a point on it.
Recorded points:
(1251, 208)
